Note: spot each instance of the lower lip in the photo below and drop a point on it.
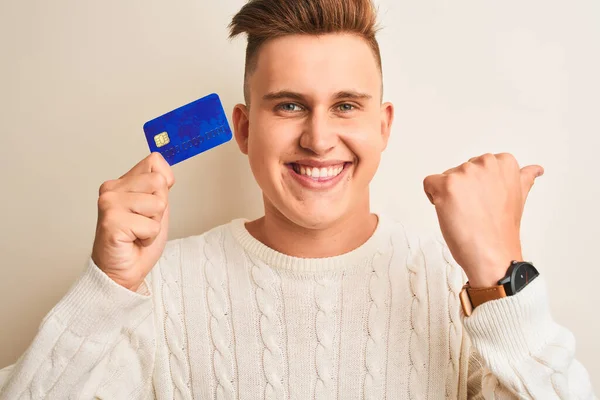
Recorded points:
(322, 183)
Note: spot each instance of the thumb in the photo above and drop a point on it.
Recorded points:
(528, 176)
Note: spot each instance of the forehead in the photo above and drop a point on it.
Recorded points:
(316, 65)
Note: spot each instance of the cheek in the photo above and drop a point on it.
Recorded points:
(258, 150)
(267, 142)
(270, 139)
(364, 140)
(366, 143)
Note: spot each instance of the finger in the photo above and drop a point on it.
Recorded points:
(150, 183)
(164, 225)
(528, 176)
(451, 170)
(461, 169)
(432, 186)
(144, 204)
(155, 162)
(140, 228)
(506, 158)
(486, 159)
(133, 227)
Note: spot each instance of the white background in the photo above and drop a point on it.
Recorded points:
(79, 78)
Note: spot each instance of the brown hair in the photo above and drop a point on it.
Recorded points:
(262, 20)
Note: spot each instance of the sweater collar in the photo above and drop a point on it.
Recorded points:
(357, 257)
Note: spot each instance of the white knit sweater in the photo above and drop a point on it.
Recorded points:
(222, 316)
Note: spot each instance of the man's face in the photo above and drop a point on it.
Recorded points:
(315, 127)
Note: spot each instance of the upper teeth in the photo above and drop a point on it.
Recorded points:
(316, 173)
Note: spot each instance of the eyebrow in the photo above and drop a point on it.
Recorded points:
(352, 94)
(288, 94)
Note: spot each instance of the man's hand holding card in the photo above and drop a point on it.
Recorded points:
(133, 211)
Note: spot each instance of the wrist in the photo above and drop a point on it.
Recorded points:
(132, 282)
(482, 283)
(128, 285)
(487, 278)
(489, 273)
(133, 286)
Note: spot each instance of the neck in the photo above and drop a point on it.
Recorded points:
(344, 235)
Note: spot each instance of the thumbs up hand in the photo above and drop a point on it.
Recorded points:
(479, 205)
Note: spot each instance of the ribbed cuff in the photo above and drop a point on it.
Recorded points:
(95, 304)
(512, 327)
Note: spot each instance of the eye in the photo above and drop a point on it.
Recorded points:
(345, 107)
(289, 107)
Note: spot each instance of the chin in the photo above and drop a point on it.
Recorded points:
(317, 217)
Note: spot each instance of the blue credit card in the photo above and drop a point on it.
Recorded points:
(189, 130)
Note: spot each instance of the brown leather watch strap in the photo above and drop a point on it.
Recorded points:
(481, 295)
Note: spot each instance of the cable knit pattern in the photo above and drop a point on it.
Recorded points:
(269, 303)
(219, 324)
(419, 324)
(223, 316)
(326, 294)
(173, 322)
(454, 281)
(377, 328)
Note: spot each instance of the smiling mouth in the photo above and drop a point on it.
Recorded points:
(319, 174)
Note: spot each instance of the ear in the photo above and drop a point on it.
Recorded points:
(241, 126)
(387, 117)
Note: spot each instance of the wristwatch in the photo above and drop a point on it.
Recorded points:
(519, 274)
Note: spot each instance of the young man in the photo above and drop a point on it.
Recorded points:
(319, 298)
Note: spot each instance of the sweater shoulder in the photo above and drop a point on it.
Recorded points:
(210, 237)
(196, 247)
(428, 254)
(442, 270)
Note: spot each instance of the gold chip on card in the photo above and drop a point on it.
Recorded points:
(162, 139)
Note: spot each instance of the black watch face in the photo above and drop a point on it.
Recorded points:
(524, 274)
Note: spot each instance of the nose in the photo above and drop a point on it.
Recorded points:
(318, 133)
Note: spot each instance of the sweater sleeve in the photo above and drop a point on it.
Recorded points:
(98, 341)
(521, 352)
